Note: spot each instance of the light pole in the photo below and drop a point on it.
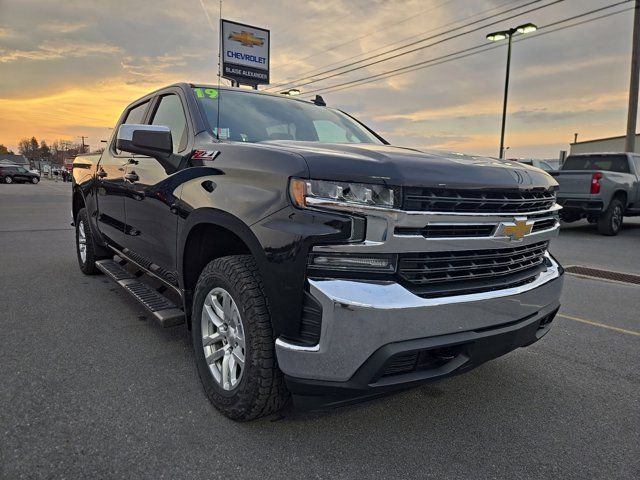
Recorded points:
(292, 91)
(502, 35)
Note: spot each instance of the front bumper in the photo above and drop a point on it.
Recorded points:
(366, 324)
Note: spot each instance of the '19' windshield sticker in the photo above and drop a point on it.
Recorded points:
(223, 133)
(206, 92)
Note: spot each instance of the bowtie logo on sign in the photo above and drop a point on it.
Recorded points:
(247, 39)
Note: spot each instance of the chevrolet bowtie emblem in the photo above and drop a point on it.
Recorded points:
(518, 229)
(248, 39)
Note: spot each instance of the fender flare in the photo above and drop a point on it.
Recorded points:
(220, 218)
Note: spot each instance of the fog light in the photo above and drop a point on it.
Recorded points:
(371, 263)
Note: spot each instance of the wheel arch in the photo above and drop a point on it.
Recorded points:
(77, 202)
(622, 195)
(208, 234)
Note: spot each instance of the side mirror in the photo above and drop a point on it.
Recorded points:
(149, 140)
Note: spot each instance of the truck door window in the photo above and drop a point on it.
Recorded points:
(171, 114)
(136, 114)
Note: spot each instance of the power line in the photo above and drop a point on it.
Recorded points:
(424, 40)
(467, 52)
(314, 70)
(387, 25)
(446, 59)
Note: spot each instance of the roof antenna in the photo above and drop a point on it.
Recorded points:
(319, 101)
(219, 70)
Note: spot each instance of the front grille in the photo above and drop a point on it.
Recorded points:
(476, 201)
(544, 225)
(401, 363)
(449, 231)
(436, 274)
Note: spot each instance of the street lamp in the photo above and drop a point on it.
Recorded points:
(292, 91)
(508, 35)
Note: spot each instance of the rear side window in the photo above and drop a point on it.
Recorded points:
(170, 114)
(609, 163)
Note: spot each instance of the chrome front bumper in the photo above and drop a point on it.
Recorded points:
(360, 317)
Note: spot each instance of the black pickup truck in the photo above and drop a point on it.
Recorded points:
(307, 256)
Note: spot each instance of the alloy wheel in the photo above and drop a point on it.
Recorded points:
(82, 242)
(223, 338)
(616, 218)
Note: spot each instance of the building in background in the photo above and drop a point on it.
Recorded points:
(13, 159)
(611, 144)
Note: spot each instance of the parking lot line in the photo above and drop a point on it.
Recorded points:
(601, 325)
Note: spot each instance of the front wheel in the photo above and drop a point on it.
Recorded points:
(233, 340)
(8, 179)
(35, 180)
(610, 223)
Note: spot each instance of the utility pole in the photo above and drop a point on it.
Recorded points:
(83, 145)
(632, 117)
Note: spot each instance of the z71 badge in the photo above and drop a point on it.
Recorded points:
(205, 154)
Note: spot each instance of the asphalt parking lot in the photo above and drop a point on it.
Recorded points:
(92, 388)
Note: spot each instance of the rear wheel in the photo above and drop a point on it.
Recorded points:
(8, 179)
(610, 223)
(85, 246)
(233, 340)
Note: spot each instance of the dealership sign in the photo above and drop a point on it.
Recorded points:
(245, 53)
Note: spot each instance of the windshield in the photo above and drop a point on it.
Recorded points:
(610, 163)
(247, 117)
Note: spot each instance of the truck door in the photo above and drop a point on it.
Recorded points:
(111, 184)
(151, 222)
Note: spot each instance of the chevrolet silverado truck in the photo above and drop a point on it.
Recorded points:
(309, 259)
(601, 187)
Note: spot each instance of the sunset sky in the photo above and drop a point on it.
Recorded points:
(68, 67)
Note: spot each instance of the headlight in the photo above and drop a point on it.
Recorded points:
(305, 193)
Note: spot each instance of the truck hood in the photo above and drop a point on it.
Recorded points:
(386, 164)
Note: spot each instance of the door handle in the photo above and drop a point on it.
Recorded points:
(101, 174)
(132, 177)
(133, 161)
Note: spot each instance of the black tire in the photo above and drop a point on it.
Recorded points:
(88, 264)
(35, 180)
(610, 223)
(260, 390)
(8, 179)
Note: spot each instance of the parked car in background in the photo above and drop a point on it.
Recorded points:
(601, 187)
(547, 167)
(17, 174)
